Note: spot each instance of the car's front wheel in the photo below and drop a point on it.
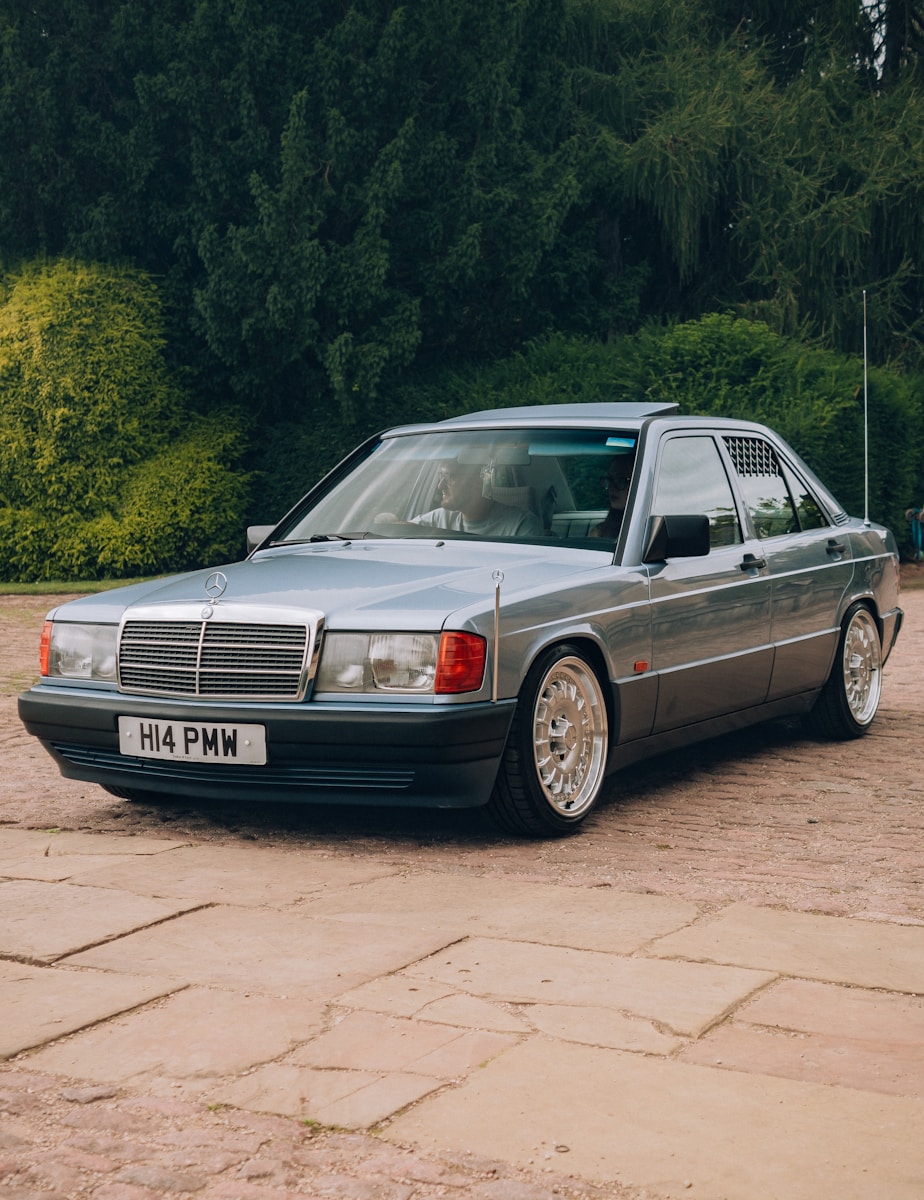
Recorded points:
(137, 795)
(850, 698)
(554, 763)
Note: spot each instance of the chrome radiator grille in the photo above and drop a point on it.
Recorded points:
(218, 660)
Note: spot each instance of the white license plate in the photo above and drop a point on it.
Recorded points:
(192, 741)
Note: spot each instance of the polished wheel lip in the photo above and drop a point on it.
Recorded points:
(862, 662)
(569, 737)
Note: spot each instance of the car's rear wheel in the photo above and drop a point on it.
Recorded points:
(850, 698)
(554, 763)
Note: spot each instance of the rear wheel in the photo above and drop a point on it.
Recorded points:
(554, 763)
(850, 698)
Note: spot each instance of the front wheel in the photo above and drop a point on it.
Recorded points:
(850, 698)
(137, 795)
(554, 763)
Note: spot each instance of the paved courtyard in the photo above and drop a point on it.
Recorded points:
(714, 991)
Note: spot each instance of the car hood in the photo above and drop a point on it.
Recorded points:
(416, 584)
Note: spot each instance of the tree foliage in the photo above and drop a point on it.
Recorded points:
(338, 197)
(330, 190)
(756, 161)
(100, 460)
(333, 192)
(729, 366)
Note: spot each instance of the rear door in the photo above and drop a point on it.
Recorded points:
(808, 559)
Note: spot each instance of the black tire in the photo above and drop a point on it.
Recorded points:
(554, 763)
(137, 795)
(849, 700)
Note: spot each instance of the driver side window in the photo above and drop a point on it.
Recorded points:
(692, 480)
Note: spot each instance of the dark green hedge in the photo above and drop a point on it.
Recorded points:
(719, 364)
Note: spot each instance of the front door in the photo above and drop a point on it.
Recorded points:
(711, 646)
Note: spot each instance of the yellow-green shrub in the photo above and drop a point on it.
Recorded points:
(104, 472)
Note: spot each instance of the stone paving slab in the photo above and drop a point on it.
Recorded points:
(54, 855)
(600, 1027)
(45, 921)
(57, 868)
(686, 997)
(197, 1036)
(406, 996)
(251, 950)
(472, 1012)
(677, 1129)
(588, 918)
(366, 1068)
(341, 1098)
(851, 1037)
(372, 1042)
(231, 875)
(39, 1004)
(816, 1057)
(51, 842)
(853, 1013)
(836, 949)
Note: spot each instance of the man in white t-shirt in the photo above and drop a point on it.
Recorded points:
(465, 507)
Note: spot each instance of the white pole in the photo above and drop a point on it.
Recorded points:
(498, 578)
(865, 420)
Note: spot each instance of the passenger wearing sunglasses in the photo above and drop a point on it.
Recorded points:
(616, 484)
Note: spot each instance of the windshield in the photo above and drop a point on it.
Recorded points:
(512, 484)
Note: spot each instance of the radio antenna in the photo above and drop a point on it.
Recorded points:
(865, 420)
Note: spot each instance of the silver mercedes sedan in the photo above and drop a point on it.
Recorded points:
(496, 610)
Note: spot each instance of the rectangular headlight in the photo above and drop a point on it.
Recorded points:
(73, 651)
(409, 663)
(378, 662)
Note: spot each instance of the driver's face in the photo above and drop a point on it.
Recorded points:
(459, 486)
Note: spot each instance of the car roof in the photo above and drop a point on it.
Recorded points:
(569, 413)
(572, 416)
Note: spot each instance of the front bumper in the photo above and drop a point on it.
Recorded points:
(444, 756)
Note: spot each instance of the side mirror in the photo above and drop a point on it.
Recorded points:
(256, 534)
(679, 536)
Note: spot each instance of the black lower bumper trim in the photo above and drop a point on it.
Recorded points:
(152, 773)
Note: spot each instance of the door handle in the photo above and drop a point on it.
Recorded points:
(751, 562)
(835, 547)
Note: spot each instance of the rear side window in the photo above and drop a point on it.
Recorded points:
(765, 491)
(807, 507)
(777, 501)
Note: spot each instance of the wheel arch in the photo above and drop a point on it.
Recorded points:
(866, 600)
(592, 650)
